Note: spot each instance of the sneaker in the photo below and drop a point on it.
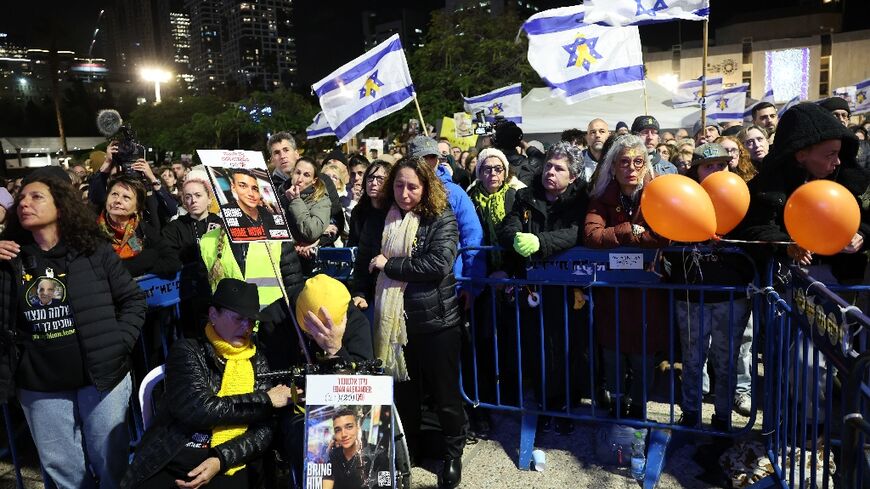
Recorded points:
(743, 404)
(564, 426)
(545, 424)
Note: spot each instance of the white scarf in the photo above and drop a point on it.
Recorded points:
(391, 334)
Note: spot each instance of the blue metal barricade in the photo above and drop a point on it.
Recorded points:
(547, 358)
(815, 368)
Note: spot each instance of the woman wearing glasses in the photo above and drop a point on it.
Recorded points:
(614, 220)
(740, 164)
(369, 204)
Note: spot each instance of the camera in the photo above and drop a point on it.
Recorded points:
(484, 127)
(110, 125)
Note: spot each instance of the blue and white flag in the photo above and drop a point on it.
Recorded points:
(373, 85)
(319, 128)
(727, 104)
(505, 101)
(641, 12)
(581, 61)
(862, 97)
(791, 103)
(689, 92)
(768, 97)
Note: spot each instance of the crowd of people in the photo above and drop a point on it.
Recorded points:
(419, 214)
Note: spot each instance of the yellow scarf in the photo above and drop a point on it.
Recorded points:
(238, 378)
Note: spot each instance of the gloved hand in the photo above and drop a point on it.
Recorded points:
(526, 244)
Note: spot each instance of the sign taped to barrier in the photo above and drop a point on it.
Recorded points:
(584, 265)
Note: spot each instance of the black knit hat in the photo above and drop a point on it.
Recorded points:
(642, 122)
(835, 103)
(807, 124)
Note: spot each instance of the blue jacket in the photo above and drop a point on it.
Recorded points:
(470, 230)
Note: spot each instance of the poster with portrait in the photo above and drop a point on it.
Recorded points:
(248, 201)
(349, 432)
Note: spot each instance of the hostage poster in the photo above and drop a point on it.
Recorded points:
(248, 202)
(349, 432)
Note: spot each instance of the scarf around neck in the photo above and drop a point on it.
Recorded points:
(124, 240)
(492, 211)
(238, 378)
(391, 333)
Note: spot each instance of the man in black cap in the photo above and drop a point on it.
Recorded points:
(839, 108)
(647, 127)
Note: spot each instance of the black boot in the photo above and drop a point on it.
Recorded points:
(451, 473)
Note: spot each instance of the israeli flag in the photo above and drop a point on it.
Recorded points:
(862, 97)
(791, 103)
(642, 12)
(727, 104)
(319, 128)
(689, 92)
(768, 97)
(373, 85)
(580, 61)
(506, 102)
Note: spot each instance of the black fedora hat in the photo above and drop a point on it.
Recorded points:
(237, 296)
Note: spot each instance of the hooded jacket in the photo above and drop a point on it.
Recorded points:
(800, 127)
(470, 230)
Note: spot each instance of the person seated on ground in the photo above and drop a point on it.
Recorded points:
(135, 239)
(160, 206)
(543, 221)
(216, 416)
(182, 237)
(614, 219)
(725, 316)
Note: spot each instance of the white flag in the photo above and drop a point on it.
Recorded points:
(320, 127)
(727, 104)
(581, 61)
(640, 12)
(505, 101)
(373, 85)
(689, 92)
(791, 103)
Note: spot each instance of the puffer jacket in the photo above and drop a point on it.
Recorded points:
(109, 309)
(191, 404)
(430, 296)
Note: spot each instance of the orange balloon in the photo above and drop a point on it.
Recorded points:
(730, 197)
(822, 216)
(677, 208)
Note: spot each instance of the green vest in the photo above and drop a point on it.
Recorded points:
(258, 266)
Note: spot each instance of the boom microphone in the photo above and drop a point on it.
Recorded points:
(109, 122)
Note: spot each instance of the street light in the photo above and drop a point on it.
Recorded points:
(157, 76)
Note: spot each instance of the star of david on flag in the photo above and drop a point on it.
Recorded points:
(642, 12)
(371, 86)
(580, 61)
(689, 92)
(506, 102)
(728, 103)
(862, 101)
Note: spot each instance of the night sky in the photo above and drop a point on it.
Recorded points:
(329, 33)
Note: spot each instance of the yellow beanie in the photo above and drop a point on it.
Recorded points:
(322, 291)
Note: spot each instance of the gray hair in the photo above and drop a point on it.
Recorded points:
(570, 153)
(281, 136)
(606, 171)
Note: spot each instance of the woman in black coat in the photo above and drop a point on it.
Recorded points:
(135, 239)
(215, 416)
(70, 314)
(405, 266)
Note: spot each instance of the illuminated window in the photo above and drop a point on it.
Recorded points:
(787, 73)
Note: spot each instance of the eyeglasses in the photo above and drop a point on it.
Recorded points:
(637, 163)
(732, 151)
(375, 178)
(492, 170)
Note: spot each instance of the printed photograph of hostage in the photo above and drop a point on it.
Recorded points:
(48, 292)
(248, 204)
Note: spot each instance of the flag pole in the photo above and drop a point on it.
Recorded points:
(420, 114)
(704, 76)
(645, 102)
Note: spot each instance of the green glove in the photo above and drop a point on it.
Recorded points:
(526, 244)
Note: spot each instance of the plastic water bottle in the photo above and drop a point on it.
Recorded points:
(638, 457)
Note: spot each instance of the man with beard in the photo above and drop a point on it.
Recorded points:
(647, 127)
(596, 133)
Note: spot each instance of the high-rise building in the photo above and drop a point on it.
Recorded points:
(408, 23)
(179, 23)
(205, 44)
(139, 34)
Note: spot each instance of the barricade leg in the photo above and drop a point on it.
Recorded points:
(655, 458)
(528, 429)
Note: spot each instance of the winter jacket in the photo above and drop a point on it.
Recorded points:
(109, 310)
(556, 224)
(660, 166)
(191, 404)
(430, 296)
(488, 239)
(361, 213)
(608, 225)
(308, 220)
(470, 230)
(802, 126)
(526, 167)
(182, 240)
(156, 256)
(335, 214)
